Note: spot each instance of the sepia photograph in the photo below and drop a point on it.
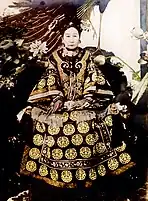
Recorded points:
(74, 100)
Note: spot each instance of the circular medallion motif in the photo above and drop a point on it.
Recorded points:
(54, 174)
(40, 127)
(121, 148)
(38, 139)
(50, 80)
(92, 174)
(101, 170)
(43, 171)
(63, 142)
(80, 174)
(50, 141)
(66, 176)
(85, 152)
(52, 130)
(91, 139)
(57, 154)
(71, 153)
(113, 164)
(100, 147)
(34, 153)
(108, 120)
(31, 166)
(41, 84)
(68, 129)
(77, 139)
(74, 115)
(65, 116)
(124, 158)
(83, 127)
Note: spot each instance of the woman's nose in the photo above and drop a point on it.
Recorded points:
(71, 40)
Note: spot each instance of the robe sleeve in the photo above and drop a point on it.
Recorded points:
(48, 87)
(96, 88)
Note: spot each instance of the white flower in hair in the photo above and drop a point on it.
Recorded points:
(85, 25)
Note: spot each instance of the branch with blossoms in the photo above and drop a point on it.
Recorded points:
(118, 62)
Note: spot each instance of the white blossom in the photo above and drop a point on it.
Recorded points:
(38, 48)
(138, 33)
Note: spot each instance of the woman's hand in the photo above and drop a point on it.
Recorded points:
(115, 108)
(57, 106)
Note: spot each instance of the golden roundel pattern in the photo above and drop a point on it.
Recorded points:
(50, 80)
(74, 115)
(108, 120)
(71, 153)
(92, 174)
(31, 166)
(65, 116)
(50, 141)
(43, 171)
(34, 153)
(40, 127)
(101, 170)
(91, 139)
(124, 158)
(77, 139)
(66, 176)
(100, 147)
(83, 127)
(57, 154)
(41, 84)
(38, 139)
(53, 130)
(63, 142)
(121, 148)
(54, 175)
(85, 152)
(80, 174)
(69, 129)
(113, 164)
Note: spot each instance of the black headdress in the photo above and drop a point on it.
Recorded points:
(70, 19)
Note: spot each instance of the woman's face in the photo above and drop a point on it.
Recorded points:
(71, 38)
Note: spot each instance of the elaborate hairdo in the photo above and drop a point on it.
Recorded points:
(70, 19)
(72, 23)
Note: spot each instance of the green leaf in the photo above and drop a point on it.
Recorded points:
(135, 76)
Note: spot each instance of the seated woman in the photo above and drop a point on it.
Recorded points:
(72, 120)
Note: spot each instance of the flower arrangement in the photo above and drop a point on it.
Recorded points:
(15, 55)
